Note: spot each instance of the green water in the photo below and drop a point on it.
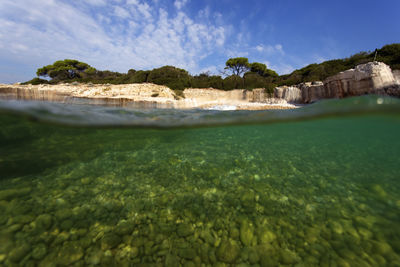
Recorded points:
(318, 192)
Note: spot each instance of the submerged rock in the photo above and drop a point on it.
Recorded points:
(44, 221)
(187, 253)
(110, 241)
(184, 230)
(18, 253)
(266, 236)
(228, 251)
(39, 251)
(69, 253)
(288, 257)
(246, 232)
(9, 194)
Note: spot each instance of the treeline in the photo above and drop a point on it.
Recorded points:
(240, 74)
(388, 54)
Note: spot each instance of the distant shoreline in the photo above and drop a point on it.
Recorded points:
(145, 95)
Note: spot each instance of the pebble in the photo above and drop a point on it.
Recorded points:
(18, 253)
(187, 253)
(44, 221)
(109, 241)
(246, 232)
(228, 251)
(381, 247)
(266, 237)
(39, 251)
(288, 257)
(69, 253)
(184, 230)
(9, 194)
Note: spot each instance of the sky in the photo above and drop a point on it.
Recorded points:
(197, 35)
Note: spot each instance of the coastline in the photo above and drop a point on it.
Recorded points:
(145, 95)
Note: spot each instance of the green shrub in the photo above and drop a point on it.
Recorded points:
(36, 81)
(233, 82)
(174, 78)
(139, 76)
(254, 80)
(205, 81)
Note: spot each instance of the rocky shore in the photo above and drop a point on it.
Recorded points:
(370, 78)
(145, 95)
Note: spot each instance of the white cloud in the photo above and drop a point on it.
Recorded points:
(270, 49)
(180, 3)
(279, 48)
(121, 12)
(37, 33)
(96, 2)
(132, 2)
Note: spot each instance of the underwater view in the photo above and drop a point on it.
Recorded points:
(85, 185)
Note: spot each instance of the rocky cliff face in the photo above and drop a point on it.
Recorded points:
(369, 78)
(396, 74)
(363, 79)
(200, 97)
(143, 96)
(312, 91)
(288, 93)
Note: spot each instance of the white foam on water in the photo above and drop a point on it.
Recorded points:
(222, 107)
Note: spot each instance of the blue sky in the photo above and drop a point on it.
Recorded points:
(192, 34)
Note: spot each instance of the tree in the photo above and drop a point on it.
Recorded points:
(64, 69)
(262, 70)
(258, 68)
(238, 65)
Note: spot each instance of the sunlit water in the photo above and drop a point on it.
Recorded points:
(88, 185)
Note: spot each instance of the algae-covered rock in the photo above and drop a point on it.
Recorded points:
(234, 232)
(63, 214)
(18, 253)
(288, 257)
(22, 219)
(69, 253)
(184, 230)
(253, 256)
(14, 228)
(44, 221)
(124, 228)
(189, 264)
(246, 232)
(93, 256)
(39, 251)
(110, 241)
(381, 247)
(9, 194)
(248, 199)
(379, 191)
(187, 253)
(207, 236)
(266, 236)
(336, 227)
(171, 260)
(66, 225)
(228, 251)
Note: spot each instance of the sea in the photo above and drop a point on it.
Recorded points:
(90, 185)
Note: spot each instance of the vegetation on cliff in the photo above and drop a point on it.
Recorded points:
(243, 74)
